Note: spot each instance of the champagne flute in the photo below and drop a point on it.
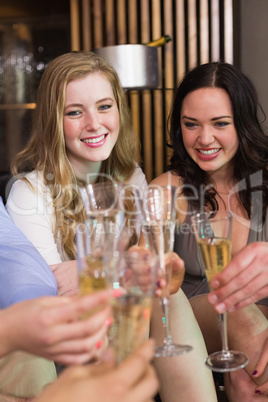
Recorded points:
(102, 238)
(110, 229)
(94, 254)
(213, 235)
(159, 211)
(135, 277)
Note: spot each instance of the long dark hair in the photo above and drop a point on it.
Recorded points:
(252, 152)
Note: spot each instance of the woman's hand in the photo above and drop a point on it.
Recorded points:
(133, 380)
(177, 273)
(175, 269)
(66, 274)
(259, 369)
(243, 281)
(52, 327)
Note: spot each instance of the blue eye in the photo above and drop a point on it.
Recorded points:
(73, 113)
(189, 124)
(222, 123)
(105, 107)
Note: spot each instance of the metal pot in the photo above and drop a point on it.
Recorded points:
(136, 65)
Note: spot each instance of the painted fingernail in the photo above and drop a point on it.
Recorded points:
(108, 322)
(255, 372)
(213, 299)
(215, 284)
(98, 345)
(117, 292)
(220, 308)
(257, 391)
(158, 284)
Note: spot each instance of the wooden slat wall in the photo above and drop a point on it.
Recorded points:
(201, 31)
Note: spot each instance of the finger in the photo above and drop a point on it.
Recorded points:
(77, 329)
(172, 256)
(85, 372)
(262, 363)
(72, 360)
(262, 389)
(81, 345)
(72, 309)
(262, 293)
(146, 388)
(177, 276)
(90, 302)
(246, 295)
(133, 368)
(141, 265)
(106, 362)
(104, 365)
(138, 249)
(161, 283)
(237, 265)
(241, 281)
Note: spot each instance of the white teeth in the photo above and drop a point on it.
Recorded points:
(94, 140)
(208, 152)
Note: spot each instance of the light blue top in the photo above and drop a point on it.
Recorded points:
(23, 272)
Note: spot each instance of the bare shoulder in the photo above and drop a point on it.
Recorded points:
(167, 178)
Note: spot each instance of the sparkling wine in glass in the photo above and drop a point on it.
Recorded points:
(91, 259)
(135, 275)
(159, 211)
(213, 235)
(102, 237)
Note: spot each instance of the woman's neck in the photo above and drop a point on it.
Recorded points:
(83, 171)
(223, 180)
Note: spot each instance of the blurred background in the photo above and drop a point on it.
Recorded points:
(33, 33)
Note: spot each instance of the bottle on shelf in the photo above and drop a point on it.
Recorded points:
(160, 41)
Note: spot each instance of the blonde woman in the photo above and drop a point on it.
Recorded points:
(81, 126)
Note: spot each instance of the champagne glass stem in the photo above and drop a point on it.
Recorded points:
(165, 319)
(164, 300)
(222, 320)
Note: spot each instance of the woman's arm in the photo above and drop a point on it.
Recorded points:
(32, 211)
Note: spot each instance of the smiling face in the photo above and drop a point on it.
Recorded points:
(90, 122)
(208, 129)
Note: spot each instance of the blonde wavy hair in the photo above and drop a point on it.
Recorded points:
(45, 151)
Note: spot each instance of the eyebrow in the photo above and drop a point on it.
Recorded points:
(105, 99)
(99, 101)
(214, 118)
(73, 105)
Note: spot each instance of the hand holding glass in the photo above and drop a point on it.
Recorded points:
(213, 235)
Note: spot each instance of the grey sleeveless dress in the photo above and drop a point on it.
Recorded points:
(185, 246)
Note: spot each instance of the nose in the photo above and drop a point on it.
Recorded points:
(205, 136)
(92, 122)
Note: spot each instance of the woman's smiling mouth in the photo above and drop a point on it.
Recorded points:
(208, 154)
(208, 151)
(94, 140)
